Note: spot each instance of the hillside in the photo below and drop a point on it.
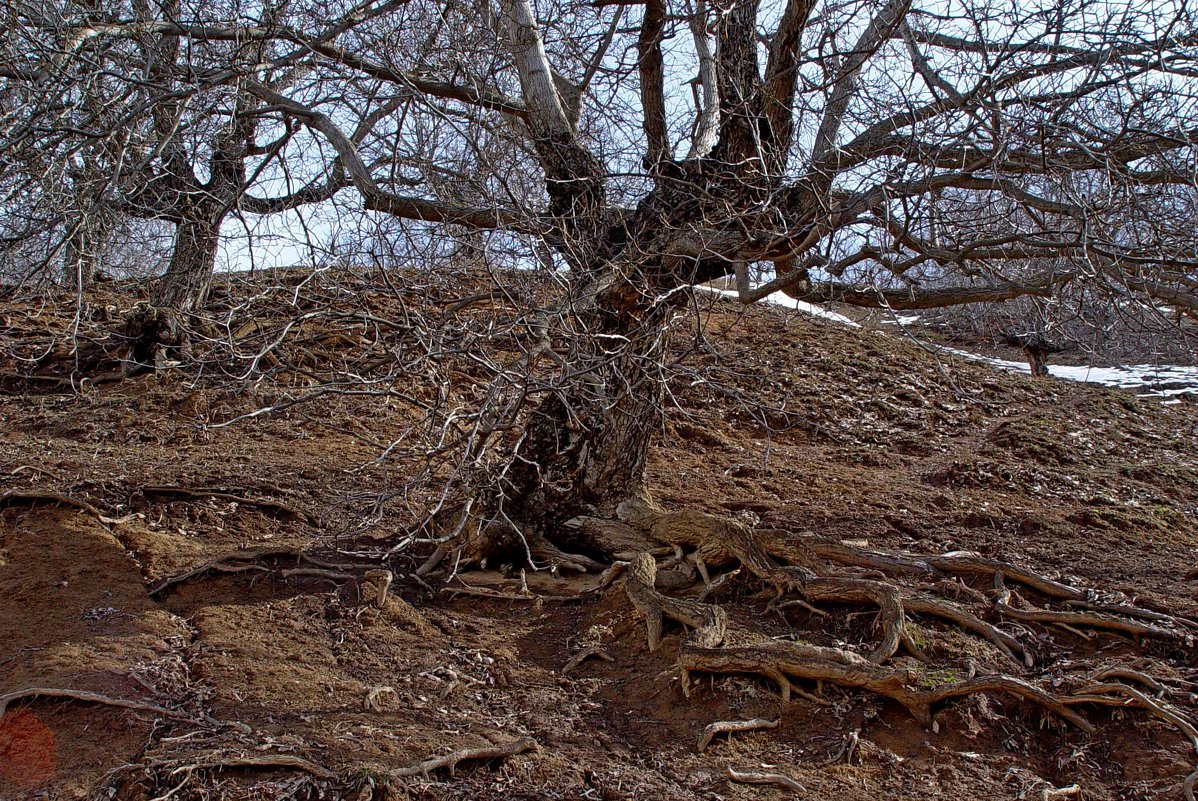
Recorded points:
(270, 674)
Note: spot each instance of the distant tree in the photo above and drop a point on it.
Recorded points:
(138, 110)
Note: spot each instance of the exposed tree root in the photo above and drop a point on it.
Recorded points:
(1136, 612)
(269, 506)
(710, 622)
(250, 560)
(1010, 646)
(781, 662)
(87, 697)
(586, 653)
(1087, 619)
(729, 726)
(34, 497)
(952, 588)
(885, 596)
(917, 693)
(451, 761)
(266, 761)
(1101, 694)
(776, 779)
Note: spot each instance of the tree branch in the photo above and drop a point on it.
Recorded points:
(652, 74)
(375, 198)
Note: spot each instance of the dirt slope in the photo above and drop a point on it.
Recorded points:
(274, 677)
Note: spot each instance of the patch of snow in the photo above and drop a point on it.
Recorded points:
(1153, 380)
(787, 302)
(902, 319)
(1159, 380)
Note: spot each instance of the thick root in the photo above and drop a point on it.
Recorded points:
(908, 687)
(817, 574)
(710, 622)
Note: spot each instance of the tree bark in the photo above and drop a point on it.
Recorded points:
(188, 278)
(585, 452)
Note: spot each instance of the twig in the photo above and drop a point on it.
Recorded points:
(729, 726)
(848, 747)
(776, 779)
(450, 761)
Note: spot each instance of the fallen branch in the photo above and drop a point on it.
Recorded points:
(450, 761)
(729, 726)
(776, 779)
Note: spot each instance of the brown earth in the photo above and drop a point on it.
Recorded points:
(278, 677)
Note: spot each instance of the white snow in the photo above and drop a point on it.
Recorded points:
(1158, 380)
(1151, 380)
(787, 302)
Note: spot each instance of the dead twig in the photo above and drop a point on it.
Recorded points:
(730, 726)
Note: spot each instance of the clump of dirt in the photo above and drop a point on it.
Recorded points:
(183, 560)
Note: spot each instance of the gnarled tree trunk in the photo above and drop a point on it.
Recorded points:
(188, 278)
(585, 452)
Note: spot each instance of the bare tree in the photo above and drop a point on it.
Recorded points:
(880, 154)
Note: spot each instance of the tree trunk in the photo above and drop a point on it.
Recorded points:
(185, 286)
(584, 452)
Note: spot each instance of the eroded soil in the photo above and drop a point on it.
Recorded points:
(285, 679)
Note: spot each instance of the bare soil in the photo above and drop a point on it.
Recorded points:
(283, 679)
